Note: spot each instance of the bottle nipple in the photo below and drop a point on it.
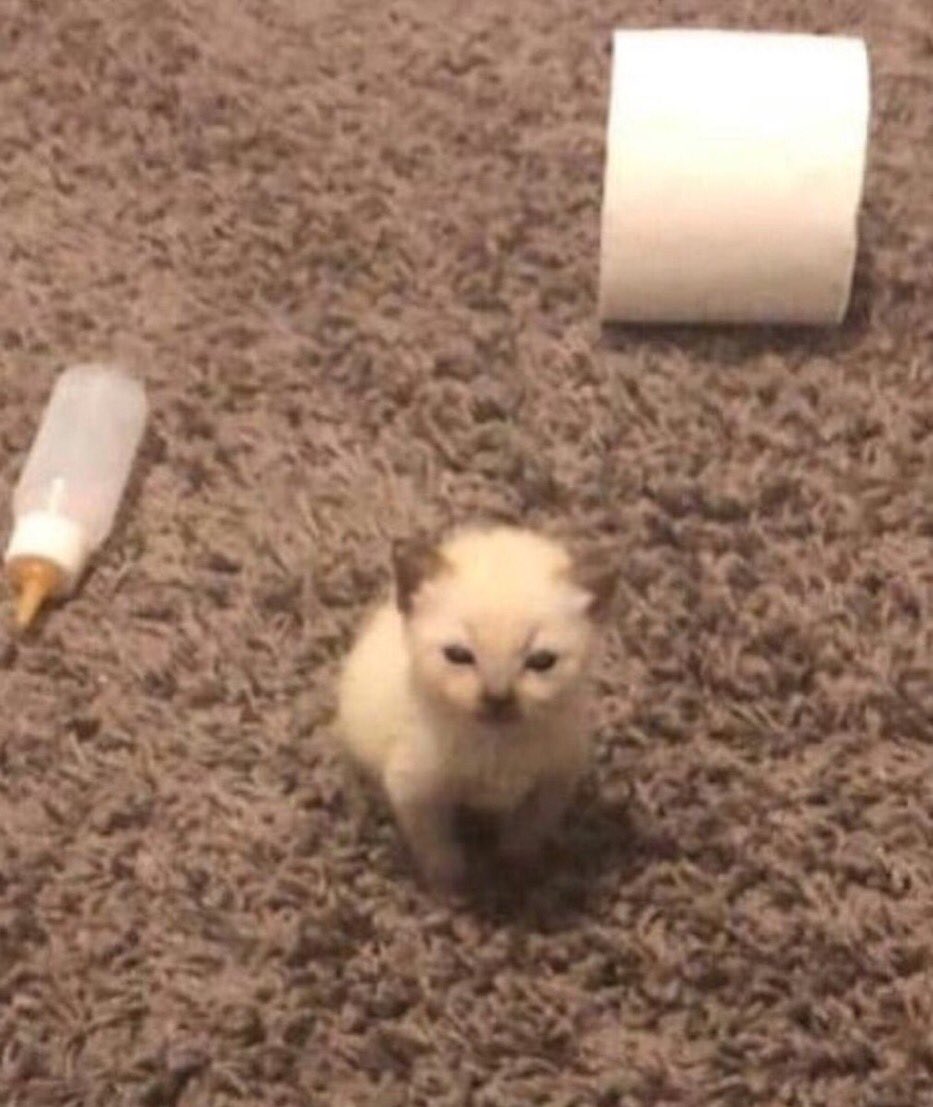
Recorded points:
(35, 580)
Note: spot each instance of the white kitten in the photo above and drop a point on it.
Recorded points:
(467, 692)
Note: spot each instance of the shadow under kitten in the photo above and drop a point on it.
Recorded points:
(605, 840)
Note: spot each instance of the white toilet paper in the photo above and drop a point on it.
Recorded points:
(733, 178)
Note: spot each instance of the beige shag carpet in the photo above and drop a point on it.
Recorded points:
(352, 247)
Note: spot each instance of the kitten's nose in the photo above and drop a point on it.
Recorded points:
(499, 705)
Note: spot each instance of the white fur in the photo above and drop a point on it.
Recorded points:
(413, 719)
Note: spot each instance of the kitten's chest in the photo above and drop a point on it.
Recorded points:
(493, 778)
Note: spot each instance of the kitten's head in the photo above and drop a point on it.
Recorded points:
(500, 622)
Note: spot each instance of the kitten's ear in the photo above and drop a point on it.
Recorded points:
(597, 574)
(413, 562)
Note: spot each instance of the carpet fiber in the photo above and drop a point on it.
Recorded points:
(352, 247)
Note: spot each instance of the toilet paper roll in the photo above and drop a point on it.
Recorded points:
(733, 179)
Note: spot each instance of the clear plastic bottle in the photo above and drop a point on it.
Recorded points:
(70, 488)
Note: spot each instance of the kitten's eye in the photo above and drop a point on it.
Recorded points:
(541, 660)
(458, 655)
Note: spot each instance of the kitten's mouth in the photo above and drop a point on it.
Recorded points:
(499, 710)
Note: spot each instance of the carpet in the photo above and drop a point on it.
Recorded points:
(352, 248)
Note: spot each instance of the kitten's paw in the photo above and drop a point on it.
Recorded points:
(522, 849)
(444, 872)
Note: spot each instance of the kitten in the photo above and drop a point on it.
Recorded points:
(466, 691)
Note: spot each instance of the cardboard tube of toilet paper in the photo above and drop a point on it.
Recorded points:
(733, 179)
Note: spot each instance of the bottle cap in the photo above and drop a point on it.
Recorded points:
(55, 539)
(35, 581)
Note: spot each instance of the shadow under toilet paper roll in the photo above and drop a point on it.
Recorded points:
(735, 166)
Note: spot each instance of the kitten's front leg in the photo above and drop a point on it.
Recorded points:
(425, 815)
(537, 818)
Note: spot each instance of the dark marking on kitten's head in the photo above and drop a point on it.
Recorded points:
(597, 573)
(414, 560)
